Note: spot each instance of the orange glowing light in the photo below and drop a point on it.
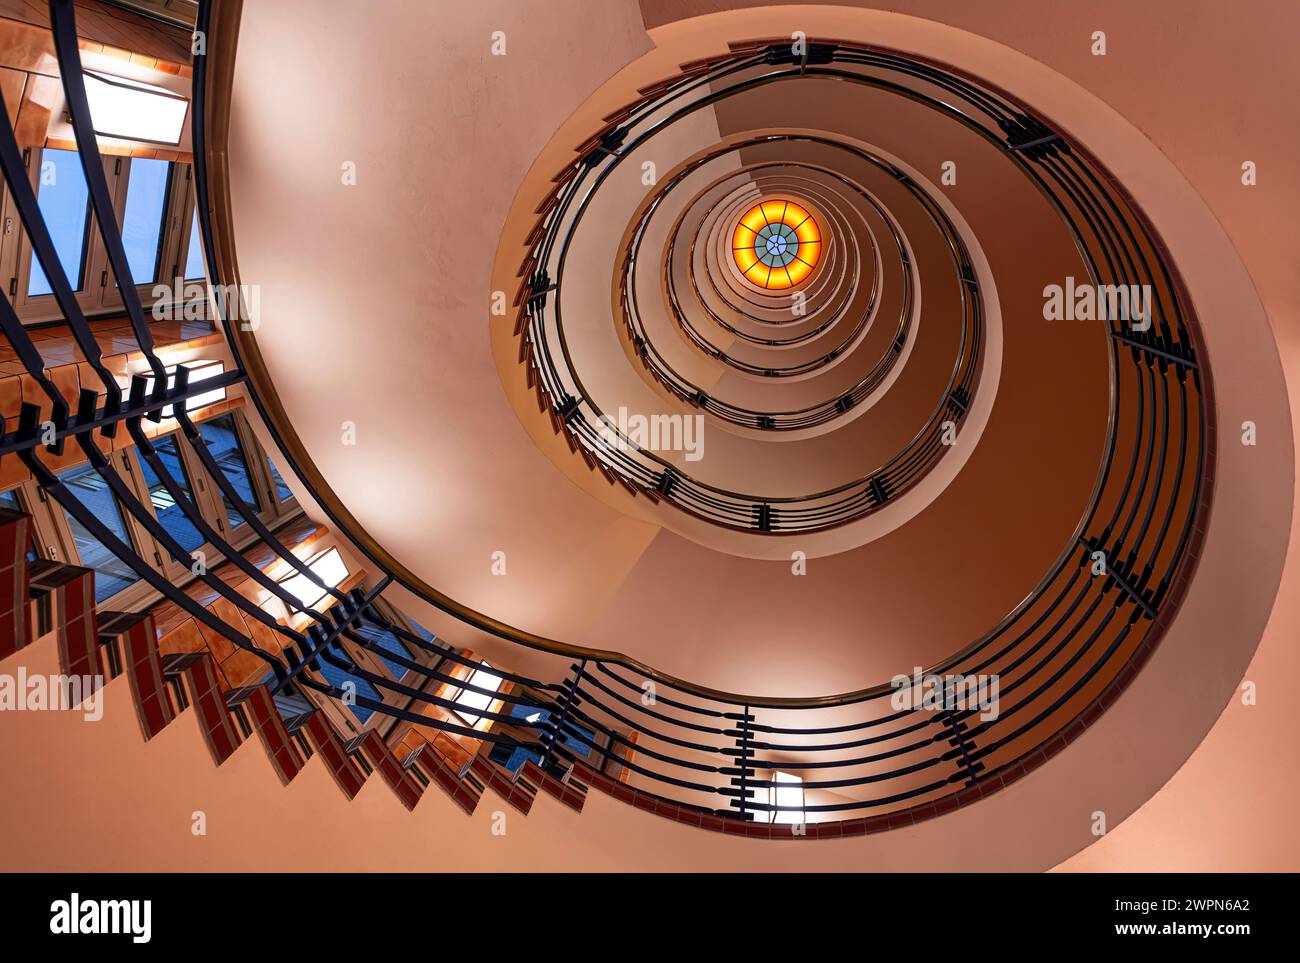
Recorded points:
(776, 244)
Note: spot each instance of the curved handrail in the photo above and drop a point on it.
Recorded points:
(1060, 655)
(807, 416)
(278, 423)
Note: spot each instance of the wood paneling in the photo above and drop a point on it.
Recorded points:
(110, 26)
(30, 74)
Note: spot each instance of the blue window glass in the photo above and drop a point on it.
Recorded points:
(195, 270)
(10, 501)
(142, 224)
(337, 677)
(169, 514)
(64, 201)
(111, 574)
(568, 738)
(281, 489)
(419, 629)
(389, 643)
(223, 442)
(511, 758)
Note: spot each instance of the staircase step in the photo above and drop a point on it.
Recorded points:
(70, 591)
(435, 770)
(327, 743)
(514, 791)
(402, 783)
(15, 537)
(134, 633)
(270, 728)
(197, 669)
(566, 792)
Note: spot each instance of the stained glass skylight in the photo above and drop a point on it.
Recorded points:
(776, 244)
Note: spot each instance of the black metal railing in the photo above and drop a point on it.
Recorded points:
(764, 420)
(1057, 657)
(604, 445)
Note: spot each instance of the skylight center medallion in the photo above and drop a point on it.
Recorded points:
(776, 244)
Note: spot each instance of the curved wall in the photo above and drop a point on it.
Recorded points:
(1243, 363)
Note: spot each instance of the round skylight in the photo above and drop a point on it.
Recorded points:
(776, 244)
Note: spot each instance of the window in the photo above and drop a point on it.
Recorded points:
(577, 739)
(281, 489)
(170, 515)
(111, 574)
(776, 244)
(389, 643)
(512, 758)
(419, 629)
(328, 566)
(64, 201)
(476, 702)
(150, 198)
(131, 109)
(195, 270)
(223, 441)
(338, 677)
(199, 371)
(787, 792)
(142, 224)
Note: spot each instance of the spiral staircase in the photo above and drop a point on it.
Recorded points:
(813, 249)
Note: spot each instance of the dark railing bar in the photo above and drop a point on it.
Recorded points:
(63, 25)
(325, 637)
(13, 443)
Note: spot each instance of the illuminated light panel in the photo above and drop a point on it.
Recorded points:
(776, 244)
(199, 371)
(133, 110)
(472, 703)
(328, 566)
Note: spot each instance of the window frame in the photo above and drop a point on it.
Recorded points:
(52, 531)
(140, 540)
(174, 195)
(201, 489)
(465, 712)
(100, 295)
(43, 307)
(22, 494)
(259, 478)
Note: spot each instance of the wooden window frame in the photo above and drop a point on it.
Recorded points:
(99, 295)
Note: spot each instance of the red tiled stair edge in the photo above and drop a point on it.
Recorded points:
(135, 632)
(403, 785)
(72, 591)
(564, 793)
(437, 770)
(214, 718)
(345, 773)
(270, 729)
(495, 779)
(14, 539)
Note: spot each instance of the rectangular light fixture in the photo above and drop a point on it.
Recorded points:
(328, 567)
(134, 110)
(200, 371)
(477, 702)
